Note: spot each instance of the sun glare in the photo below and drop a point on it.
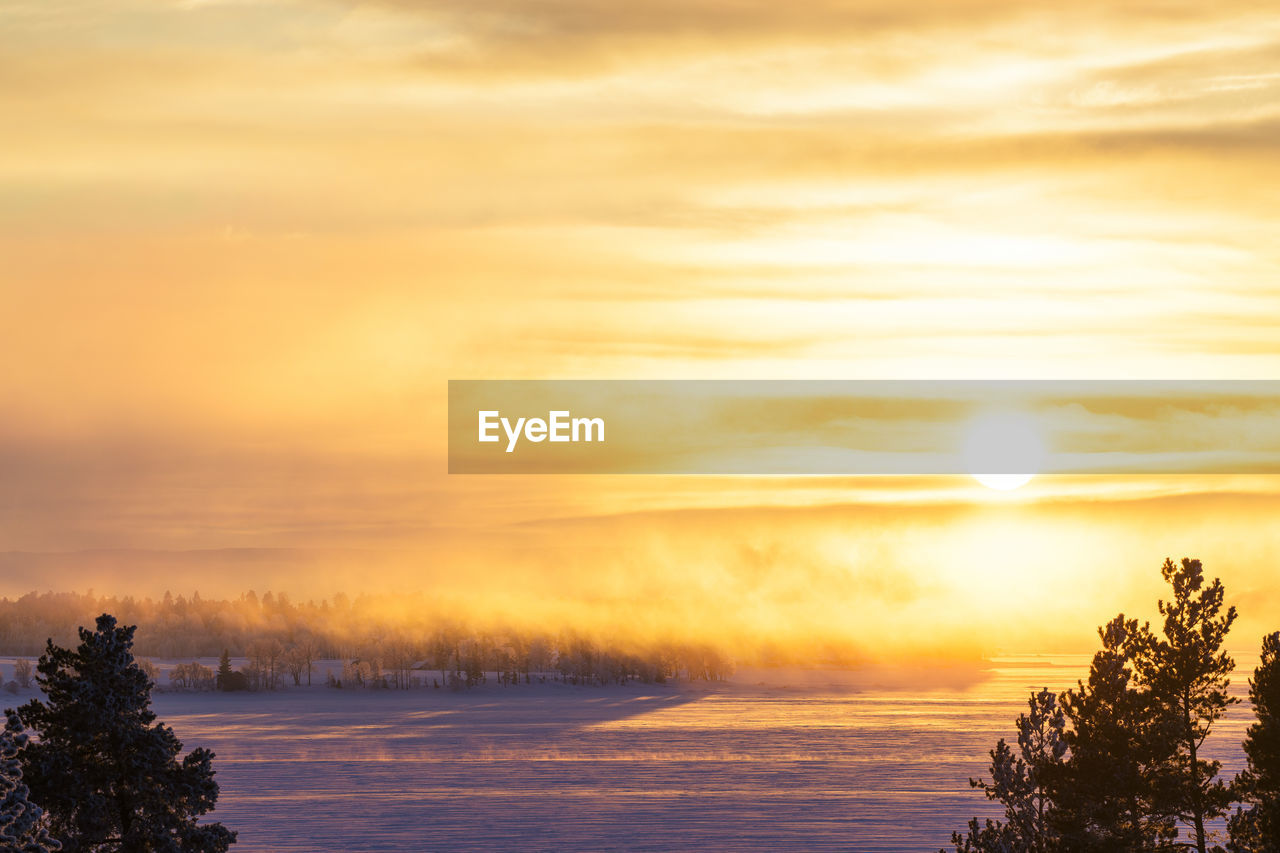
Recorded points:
(1003, 450)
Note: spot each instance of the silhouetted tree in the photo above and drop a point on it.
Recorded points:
(1187, 672)
(1119, 743)
(1256, 829)
(1017, 782)
(224, 671)
(105, 771)
(1135, 770)
(23, 828)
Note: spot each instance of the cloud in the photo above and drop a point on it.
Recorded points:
(247, 244)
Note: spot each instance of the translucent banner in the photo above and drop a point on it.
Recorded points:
(857, 427)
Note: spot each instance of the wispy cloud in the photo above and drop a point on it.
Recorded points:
(246, 243)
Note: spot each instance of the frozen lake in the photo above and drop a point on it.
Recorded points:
(820, 761)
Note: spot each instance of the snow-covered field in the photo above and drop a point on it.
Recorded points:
(769, 761)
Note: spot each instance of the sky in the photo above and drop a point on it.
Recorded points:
(246, 244)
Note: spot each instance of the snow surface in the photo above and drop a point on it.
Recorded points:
(813, 760)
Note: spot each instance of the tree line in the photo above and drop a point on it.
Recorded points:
(1117, 763)
(381, 642)
(455, 660)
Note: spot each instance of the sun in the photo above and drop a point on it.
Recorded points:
(1003, 450)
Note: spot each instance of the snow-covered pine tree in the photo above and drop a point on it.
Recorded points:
(106, 773)
(22, 828)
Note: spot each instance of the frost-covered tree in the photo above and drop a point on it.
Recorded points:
(149, 669)
(1256, 828)
(308, 651)
(23, 829)
(22, 672)
(192, 676)
(107, 774)
(1017, 782)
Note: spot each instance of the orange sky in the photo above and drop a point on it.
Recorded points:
(244, 245)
